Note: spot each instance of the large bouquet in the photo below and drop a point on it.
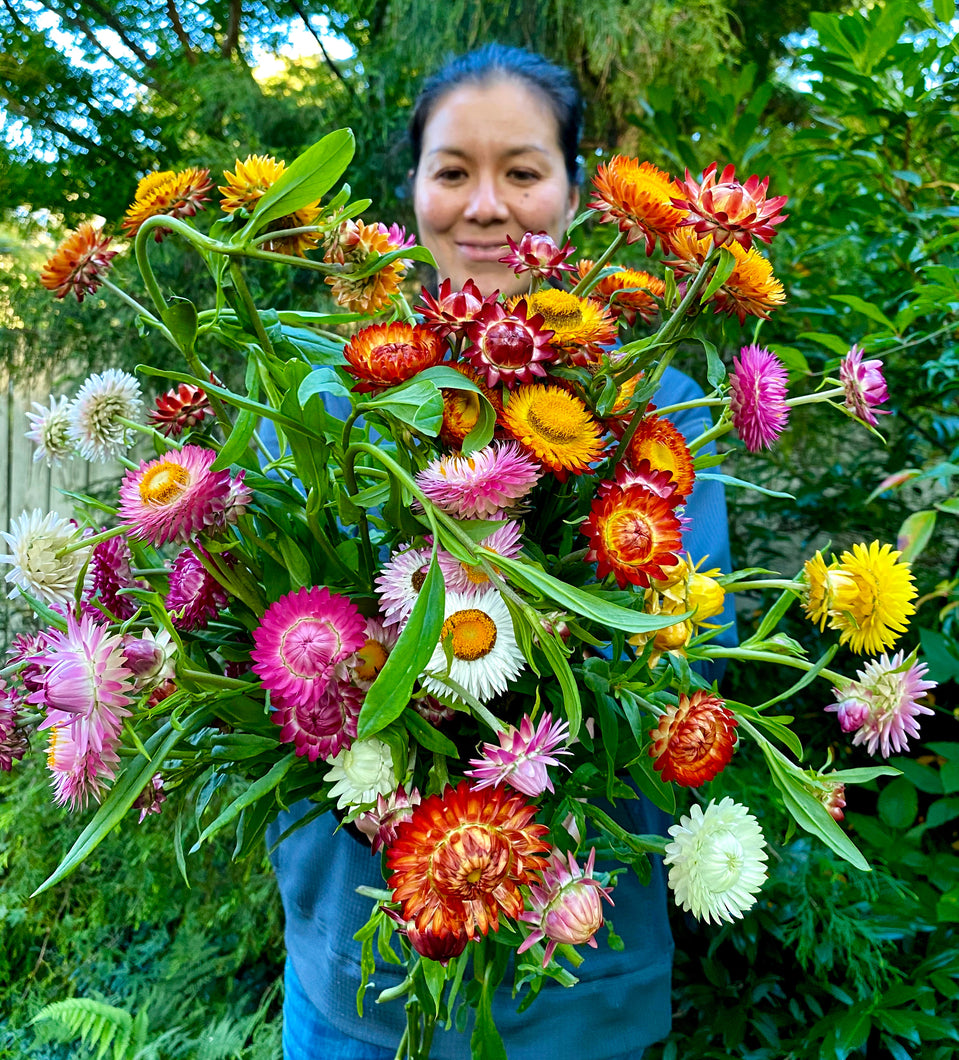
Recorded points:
(432, 578)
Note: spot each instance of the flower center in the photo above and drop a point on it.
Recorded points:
(465, 407)
(308, 646)
(630, 535)
(472, 634)
(556, 426)
(164, 484)
(417, 578)
(369, 660)
(472, 862)
(560, 310)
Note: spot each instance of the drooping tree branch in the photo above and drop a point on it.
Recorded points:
(108, 17)
(305, 19)
(232, 38)
(181, 34)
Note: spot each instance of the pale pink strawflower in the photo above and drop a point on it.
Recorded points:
(150, 657)
(471, 578)
(300, 640)
(400, 581)
(567, 906)
(39, 560)
(522, 756)
(885, 702)
(80, 773)
(110, 572)
(865, 386)
(757, 397)
(379, 824)
(481, 485)
(50, 431)
(151, 799)
(194, 595)
(366, 664)
(86, 684)
(178, 496)
(101, 412)
(537, 254)
(324, 725)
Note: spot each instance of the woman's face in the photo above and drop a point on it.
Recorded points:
(491, 166)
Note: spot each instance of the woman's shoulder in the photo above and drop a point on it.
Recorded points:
(676, 386)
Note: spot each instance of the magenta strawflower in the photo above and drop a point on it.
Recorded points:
(509, 347)
(451, 311)
(522, 756)
(323, 725)
(400, 581)
(194, 595)
(471, 578)
(86, 683)
(151, 799)
(13, 741)
(299, 642)
(536, 253)
(758, 397)
(177, 496)
(379, 824)
(865, 386)
(109, 573)
(885, 703)
(482, 485)
(80, 773)
(567, 906)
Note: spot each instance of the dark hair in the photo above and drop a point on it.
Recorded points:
(491, 62)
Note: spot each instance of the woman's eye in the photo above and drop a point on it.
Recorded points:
(524, 176)
(450, 176)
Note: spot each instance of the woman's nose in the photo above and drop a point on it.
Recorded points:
(486, 204)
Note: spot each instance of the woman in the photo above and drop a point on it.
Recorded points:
(495, 137)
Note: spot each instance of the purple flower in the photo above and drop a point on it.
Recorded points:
(865, 386)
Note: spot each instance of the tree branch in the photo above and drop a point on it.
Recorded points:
(84, 27)
(181, 34)
(232, 38)
(117, 26)
(305, 19)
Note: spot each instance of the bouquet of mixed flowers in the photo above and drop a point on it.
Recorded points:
(432, 577)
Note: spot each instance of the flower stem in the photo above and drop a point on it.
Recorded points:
(152, 432)
(95, 539)
(812, 399)
(587, 283)
(711, 652)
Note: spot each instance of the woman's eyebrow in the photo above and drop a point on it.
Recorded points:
(510, 152)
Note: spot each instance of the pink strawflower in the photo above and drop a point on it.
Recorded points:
(151, 799)
(471, 578)
(481, 485)
(730, 211)
(522, 756)
(80, 772)
(323, 725)
(109, 573)
(539, 255)
(451, 311)
(194, 595)
(758, 397)
(885, 703)
(379, 825)
(431, 709)
(150, 657)
(86, 683)
(300, 640)
(24, 650)
(396, 234)
(177, 496)
(567, 907)
(13, 741)
(865, 386)
(50, 431)
(509, 346)
(400, 581)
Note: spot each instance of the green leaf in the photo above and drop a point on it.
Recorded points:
(556, 656)
(831, 342)
(941, 811)
(116, 805)
(728, 480)
(323, 380)
(305, 181)
(391, 690)
(182, 323)
(866, 308)
(945, 10)
(915, 533)
(898, 803)
(429, 736)
(947, 908)
(449, 379)
(263, 786)
(715, 369)
(417, 403)
(722, 272)
(940, 655)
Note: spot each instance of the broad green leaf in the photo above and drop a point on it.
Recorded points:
(945, 10)
(449, 379)
(323, 380)
(832, 342)
(722, 272)
(898, 803)
(417, 403)
(715, 369)
(428, 735)
(263, 786)
(306, 180)
(866, 308)
(940, 655)
(391, 690)
(182, 322)
(915, 533)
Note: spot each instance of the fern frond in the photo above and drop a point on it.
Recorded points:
(97, 1024)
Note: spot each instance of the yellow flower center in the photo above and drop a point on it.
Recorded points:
(475, 574)
(472, 634)
(152, 181)
(369, 660)
(560, 310)
(52, 748)
(465, 407)
(556, 422)
(164, 484)
(471, 863)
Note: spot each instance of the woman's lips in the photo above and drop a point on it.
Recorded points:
(483, 251)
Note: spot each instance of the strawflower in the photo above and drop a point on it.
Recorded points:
(109, 574)
(379, 824)
(451, 311)
(555, 427)
(627, 293)
(13, 741)
(39, 563)
(717, 861)
(97, 413)
(194, 596)
(355, 243)
(180, 409)
(367, 662)
(471, 578)
(79, 774)
(521, 756)
(694, 740)
(361, 773)
(508, 347)
(638, 197)
(320, 726)
(581, 327)
(151, 799)
(481, 485)
(882, 707)
(462, 857)
(757, 397)
(174, 194)
(537, 254)
(400, 581)
(244, 188)
(865, 386)
(79, 263)
(50, 431)
(384, 355)
(462, 408)
(729, 211)
(661, 443)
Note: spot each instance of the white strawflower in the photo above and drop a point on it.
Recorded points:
(50, 431)
(102, 402)
(717, 860)
(34, 540)
(361, 772)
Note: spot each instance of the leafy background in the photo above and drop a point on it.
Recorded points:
(852, 111)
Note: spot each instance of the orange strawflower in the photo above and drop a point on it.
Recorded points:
(173, 194)
(555, 427)
(638, 197)
(462, 857)
(661, 443)
(247, 185)
(78, 263)
(355, 243)
(461, 408)
(627, 293)
(694, 739)
(384, 355)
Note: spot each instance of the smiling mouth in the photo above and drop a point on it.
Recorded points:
(483, 251)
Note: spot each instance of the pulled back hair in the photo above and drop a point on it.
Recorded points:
(493, 62)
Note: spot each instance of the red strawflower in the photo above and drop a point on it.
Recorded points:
(509, 346)
(78, 263)
(180, 409)
(539, 255)
(452, 310)
(730, 211)
(694, 739)
(384, 355)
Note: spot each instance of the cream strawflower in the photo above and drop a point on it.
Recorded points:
(50, 431)
(361, 772)
(98, 413)
(717, 860)
(36, 540)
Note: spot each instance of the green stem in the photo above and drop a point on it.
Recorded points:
(95, 539)
(587, 283)
(152, 432)
(716, 431)
(812, 399)
(771, 583)
(640, 845)
(709, 651)
(682, 406)
(349, 480)
(136, 307)
(243, 291)
(140, 247)
(202, 677)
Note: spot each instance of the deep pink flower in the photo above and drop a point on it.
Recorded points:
(522, 756)
(299, 642)
(481, 485)
(728, 210)
(178, 496)
(80, 772)
(452, 310)
(109, 573)
(13, 741)
(509, 346)
(379, 825)
(194, 595)
(322, 726)
(865, 386)
(567, 906)
(886, 698)
(151, 799)
(758, 397)
(539, 255)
